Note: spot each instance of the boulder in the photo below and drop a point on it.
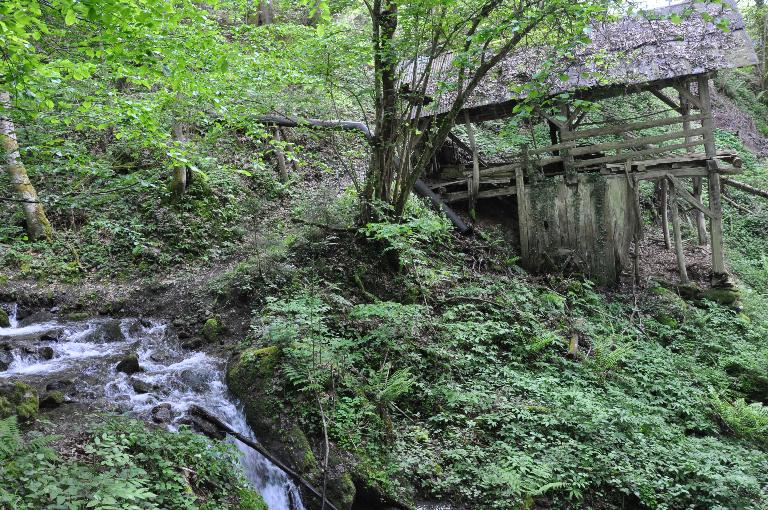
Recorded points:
(111, 331)
(725, 297)
(251, 377)
(161, 413)
(62, 385)
(203, 426)
(45, 352)
(36, 318)
(129, 364)
(18, 399)
(5, 322)
(51, 400)
(212, 329)
(196, 380)
(140, 386)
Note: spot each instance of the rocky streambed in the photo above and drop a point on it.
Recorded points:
(132, 366)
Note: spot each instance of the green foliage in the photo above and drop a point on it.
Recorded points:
(123, 465)
(472, 395)
(742, 419)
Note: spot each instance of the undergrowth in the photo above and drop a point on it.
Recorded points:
(121, 466)
(470, 393)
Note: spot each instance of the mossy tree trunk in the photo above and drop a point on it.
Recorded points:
(38, 226)
(179, 181)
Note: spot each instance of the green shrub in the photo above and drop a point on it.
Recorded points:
(122, 466)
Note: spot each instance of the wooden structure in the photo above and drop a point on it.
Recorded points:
(577, 194)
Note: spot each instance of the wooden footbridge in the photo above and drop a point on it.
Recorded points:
(577, 195)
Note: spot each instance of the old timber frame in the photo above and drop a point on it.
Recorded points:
(577, 197)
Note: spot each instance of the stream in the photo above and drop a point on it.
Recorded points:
(79, 358)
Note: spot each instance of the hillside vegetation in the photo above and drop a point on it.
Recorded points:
(378, 352)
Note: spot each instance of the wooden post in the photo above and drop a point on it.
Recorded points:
(716, 220)
(474, 183)
(685, 111)
(570, 173)
(678, 239)
(665, 213)
(522, 212)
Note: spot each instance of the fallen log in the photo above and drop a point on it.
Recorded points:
(744, 187)
(348, 125)
(203, 413)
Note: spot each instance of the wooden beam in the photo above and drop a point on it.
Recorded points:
(458, 141)
(666, 100)
(685, 92)
(490, 193)
(745, 187)
(634, 142)
(634, 126)
(621, 157)
(686, 195)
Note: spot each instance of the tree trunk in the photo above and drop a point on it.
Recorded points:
(38, 226)
(179, 182)
(282, 168)
(381, 174)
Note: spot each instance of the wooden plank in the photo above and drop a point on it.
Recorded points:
(636, 126)
(490, 193)
(655, 150)
(686, 195)
(634, 142)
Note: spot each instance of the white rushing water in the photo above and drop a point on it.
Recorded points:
(81, 357)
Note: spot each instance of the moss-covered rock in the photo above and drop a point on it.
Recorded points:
(5, 322)
(51, 400)
(725, 297)
(252, 377)
(666, 307)
(212, 329)
(19, 399)
(129, 364)
(251, 500)
(751, 377)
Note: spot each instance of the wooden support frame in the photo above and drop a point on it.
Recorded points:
(678, 237)
(716, 220)
(683, 193)
(660, 95)
(685, 103)
(664, 185)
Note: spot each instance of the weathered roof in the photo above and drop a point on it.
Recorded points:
(633, 51)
